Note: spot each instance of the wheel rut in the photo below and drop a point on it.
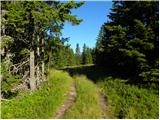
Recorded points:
(103, 105)
(68, 103)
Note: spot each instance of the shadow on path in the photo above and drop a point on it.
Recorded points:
(92, 72)
(95, 73)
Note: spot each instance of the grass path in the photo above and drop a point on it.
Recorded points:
(88, 103)
(60, 97)
(103, 105)
(124, 100)
(68, 103)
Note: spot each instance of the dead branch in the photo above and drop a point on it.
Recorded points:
(2, 99)
(17, 66)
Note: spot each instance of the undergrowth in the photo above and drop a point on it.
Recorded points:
(129, 101)
(41, 103)
(87, 102)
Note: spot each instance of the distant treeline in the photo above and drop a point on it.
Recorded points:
(65, 56)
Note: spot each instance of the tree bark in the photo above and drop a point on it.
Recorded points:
(43, 58)
(38, 57)
(31, 34)
(32, 71)
(50, 53)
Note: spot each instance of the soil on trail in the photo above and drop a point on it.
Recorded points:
(68, 103)
(103, 105)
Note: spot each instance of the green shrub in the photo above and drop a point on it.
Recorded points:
(129, 101)
(41, 103)
(8, 81)
(151, 75)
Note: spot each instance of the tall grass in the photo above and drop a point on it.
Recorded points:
(129, 101)
(41, 103)
(87, 103)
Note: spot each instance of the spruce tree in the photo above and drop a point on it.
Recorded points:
(78, 55)
(128, 43)
(28, 22)
(70, 57)
(84, 54)
(88, 56)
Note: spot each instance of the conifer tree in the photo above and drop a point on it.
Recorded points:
(70, 57)
(84, 54)
(88, 56)
(78, 55)
(28, 22)
(129, 42)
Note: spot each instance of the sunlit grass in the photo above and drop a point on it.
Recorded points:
(41, 103)
(87, 103)
(129, 101)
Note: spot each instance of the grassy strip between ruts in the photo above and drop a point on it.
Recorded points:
(129, 101)
(87, 103)
(41, 103)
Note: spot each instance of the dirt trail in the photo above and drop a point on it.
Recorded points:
(103, 105)
(68, 103)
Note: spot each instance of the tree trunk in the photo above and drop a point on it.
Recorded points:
(31, 35)
(50, 54)
(3, 12)
(2, 30)
(32, 71)
(43, 58)
(38, 69)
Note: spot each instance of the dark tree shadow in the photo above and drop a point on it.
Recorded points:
(95, 73)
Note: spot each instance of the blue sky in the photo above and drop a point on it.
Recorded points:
(94, 14)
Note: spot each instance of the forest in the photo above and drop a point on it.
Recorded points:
(43, 77)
